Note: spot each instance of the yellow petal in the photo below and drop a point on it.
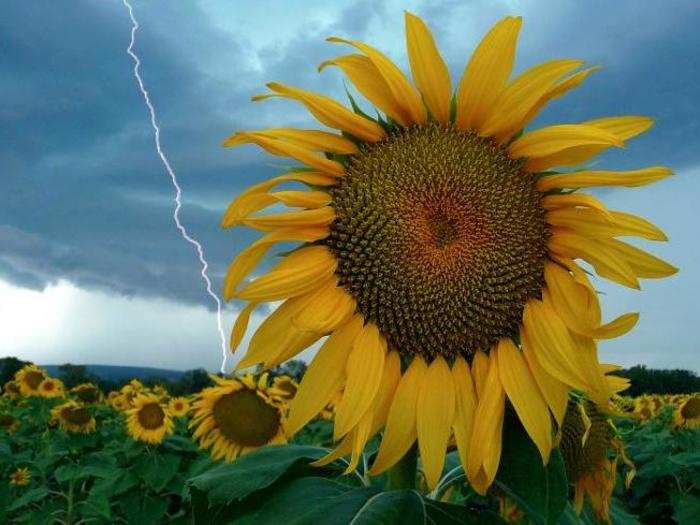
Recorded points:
(364, 368)
(302, 199)
(387, 389)
(255, 198)
(555, 393)
(606, 263)
(588, 179)
(298, 273)
(569, 298)
(241, 325)
(332, 307)
(485, 444)
(435, 415)
(524, 394)
(617, 327)
(276, 335)
(629, 224)
(429, 70)
(400, 432)
(592, 223)
(556, 91)
(304, 155)
(401, 89)
(522, 94)
(329, 112)
(553, 139)
(575, 200)
(312, 139)
(480, 369)
(643, 264)
(368, 80)
(244, 263)
(486, 73)
(324, 376)
(625, 127)
(465, 407)
(315, 218)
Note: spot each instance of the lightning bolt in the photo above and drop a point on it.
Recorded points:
(178, 191)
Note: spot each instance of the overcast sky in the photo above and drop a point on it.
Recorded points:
(92, 269)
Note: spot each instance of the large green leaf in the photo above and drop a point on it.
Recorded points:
(400, 507)
(157, 469)
(253, 472)
(540, 491)
(439, 513)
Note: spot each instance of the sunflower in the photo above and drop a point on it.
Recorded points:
(11, 390)
(149, 420)
(236, 416)
(9, 423)
(285, 387)
(179, 406)
(87, 393)
(688, 413)
(73, 417)
(20, 477)
(29, 378)
(119, 401)
(439, 253)
(592, 451)
(50, 387)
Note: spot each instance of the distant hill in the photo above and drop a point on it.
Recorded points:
(119, 373)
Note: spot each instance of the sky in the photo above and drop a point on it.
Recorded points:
(92, 268)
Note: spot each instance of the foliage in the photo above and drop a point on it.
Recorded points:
(8, 367)
(654, 381)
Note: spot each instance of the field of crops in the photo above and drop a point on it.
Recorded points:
(139, 456)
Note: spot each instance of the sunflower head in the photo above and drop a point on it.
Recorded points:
(11, 389)
(234, 417)
(20, 477)
(9, 423)
(688, 413)
(87, 393)
(284, 387)
(74, 417)
(29, 378)
(179, 406)
(50, 388)
(440, 253)
(149, 420)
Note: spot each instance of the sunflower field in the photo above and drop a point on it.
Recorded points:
(138, 455)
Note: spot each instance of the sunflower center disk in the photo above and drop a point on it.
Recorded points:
(151, 416)
(246, 419)
(440, 237)
(33, 379)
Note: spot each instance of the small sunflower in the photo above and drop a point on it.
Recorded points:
(285, 387)
(50, 388)
(440, 254)
(29, 378)
(11, 390)
(179, 406)
(234, 417)
(74, 417)
(20, 477)
(87, 393)
(688, 413)
(591, 451)
(148, 420)
(9, 423)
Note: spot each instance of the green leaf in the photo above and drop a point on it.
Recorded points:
(686, 509)
(67, 473)
(254, 471)
(439, 513)
(541, 492)
(400, 507)
(28, 497)
(179, 444)
(157, 469)
(95, 506)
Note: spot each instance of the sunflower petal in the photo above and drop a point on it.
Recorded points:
(588, 179)
(522, 94)
(569, 298)
(429, 70)
(401, 89)
(575, 200)
(329, 112)
(617, 327)
(524, 394)
(435, 415)
(241, 325)
(465, 407)
(480, 369)
(312, 139)
(324, 376)
(553, 139)
(316, 218)
(592, 223)
(298, 273)
(643, 264)
(332, 307)
(486, 73)
(400, 431)
(387, 388)
(485, 444)
(364, 368)
(606, 263)
(244, 263)
(625, 127)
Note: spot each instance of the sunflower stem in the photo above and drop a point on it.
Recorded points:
(403, 474)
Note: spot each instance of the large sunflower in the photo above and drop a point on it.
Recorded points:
(29, 378)
(74, 417)
(438, 254)
(149, 420)
(236, 416)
